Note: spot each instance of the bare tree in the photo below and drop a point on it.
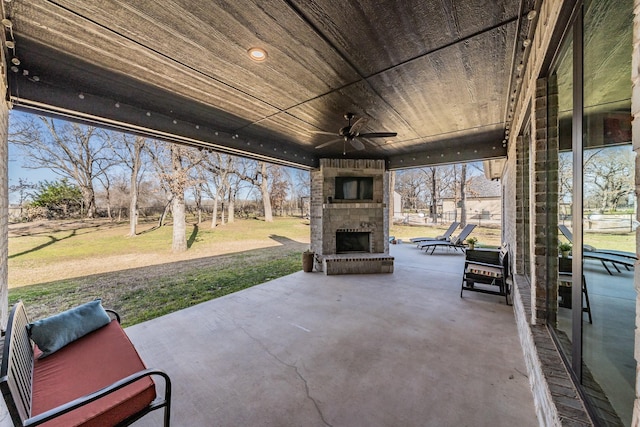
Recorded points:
(565, 176)
(105, 180)
(410, 184)
(70, 150)
(22, 188)
(130, 151)
(260, 178)
(216, 169)
(609, 176)
(174, 163)
(278, 189)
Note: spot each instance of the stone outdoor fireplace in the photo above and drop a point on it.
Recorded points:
(349, 217)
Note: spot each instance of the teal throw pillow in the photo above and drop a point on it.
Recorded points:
(53, 333)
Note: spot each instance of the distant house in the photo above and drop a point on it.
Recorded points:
(484, 201)
(397, 205)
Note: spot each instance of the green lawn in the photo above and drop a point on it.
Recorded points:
(67, 264)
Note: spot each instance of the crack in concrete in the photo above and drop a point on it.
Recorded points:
(295, 368)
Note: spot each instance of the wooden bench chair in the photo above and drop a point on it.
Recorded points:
(487, 271)
(565, 282)
(98, 379)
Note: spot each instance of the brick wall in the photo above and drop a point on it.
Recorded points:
(509, 211)
(544, 202)
(522, 239)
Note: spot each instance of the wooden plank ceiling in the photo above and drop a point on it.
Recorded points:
(439, 73)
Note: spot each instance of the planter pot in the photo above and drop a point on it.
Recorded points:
(565, 254)
(307, 262)
(472, 246)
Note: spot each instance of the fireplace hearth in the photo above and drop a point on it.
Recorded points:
(348, 242)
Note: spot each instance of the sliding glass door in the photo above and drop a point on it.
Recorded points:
(596, 296)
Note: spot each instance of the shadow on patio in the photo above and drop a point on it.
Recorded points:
(399, 349)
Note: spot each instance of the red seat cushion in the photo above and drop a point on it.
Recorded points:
(85, 366)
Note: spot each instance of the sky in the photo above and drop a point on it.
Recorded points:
(17, 169)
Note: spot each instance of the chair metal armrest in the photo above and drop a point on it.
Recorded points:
(84, 400)
(113, 314)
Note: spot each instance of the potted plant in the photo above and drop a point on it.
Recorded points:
(471, 241)
(565, 249)
(307, 261)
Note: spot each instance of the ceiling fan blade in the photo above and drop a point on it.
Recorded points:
(358, 145)
(378, 135)
(355, 128)
(329, 142)
(321, 132)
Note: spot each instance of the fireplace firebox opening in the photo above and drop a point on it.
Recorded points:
(353, 242)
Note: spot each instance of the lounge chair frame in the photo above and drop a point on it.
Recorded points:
(614, 257)
(445, 237)
(456, 243)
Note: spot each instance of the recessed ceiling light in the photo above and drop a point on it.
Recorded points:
(257, 54)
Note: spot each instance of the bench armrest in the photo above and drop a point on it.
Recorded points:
(84, 400)
(113, 314)
(484, 264)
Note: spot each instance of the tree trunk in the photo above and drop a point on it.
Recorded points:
(133, 202)
(392, 189)
(463, 196)
(231, 208)
(179, 243)
(133, 211)
(165, 211)
(434, 201)
(89, 198)
(214, 215)
(264, 191)
(108, 194)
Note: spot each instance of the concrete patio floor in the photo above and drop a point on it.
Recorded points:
(399, 349)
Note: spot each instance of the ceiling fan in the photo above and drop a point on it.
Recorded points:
(350, 132)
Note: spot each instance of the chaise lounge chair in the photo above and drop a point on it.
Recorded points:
(455, 242)
(446, 236)
(614, 257)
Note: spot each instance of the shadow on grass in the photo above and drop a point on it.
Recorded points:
(192, 237)
(52, 240)
(80, 228)
(30, 229)
(283, 240)
(154, 228)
